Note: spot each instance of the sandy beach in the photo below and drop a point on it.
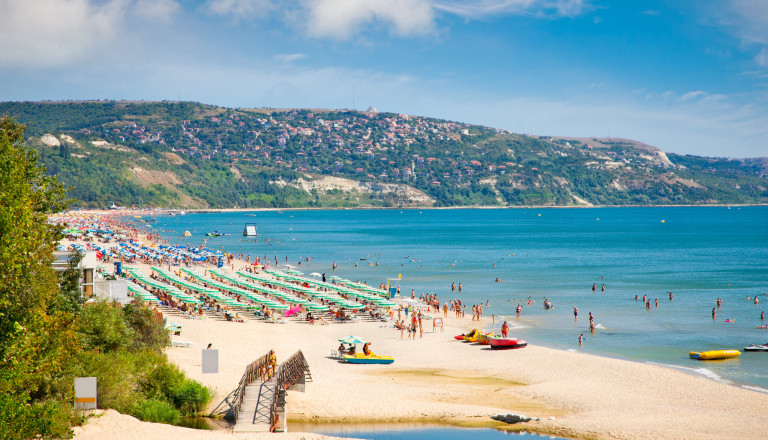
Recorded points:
(439, 379)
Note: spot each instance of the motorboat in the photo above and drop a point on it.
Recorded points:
(756, 347)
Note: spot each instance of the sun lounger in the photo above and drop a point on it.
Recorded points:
(182, 344)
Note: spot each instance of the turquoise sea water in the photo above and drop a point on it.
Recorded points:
(699, 254)
(390, 432)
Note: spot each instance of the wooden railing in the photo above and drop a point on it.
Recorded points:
(286, 375)
(252, 372)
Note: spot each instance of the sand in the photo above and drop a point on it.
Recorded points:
(437, 379)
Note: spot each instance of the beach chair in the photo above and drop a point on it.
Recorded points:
(182, 344)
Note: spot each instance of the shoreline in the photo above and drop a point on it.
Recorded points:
(590, 396)
(167, 211)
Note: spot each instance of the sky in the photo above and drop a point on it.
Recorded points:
(687, 76)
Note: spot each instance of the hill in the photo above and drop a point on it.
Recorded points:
(191, 155)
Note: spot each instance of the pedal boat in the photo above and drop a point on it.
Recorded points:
(361, 358)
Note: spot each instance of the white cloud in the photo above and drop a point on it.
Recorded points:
(156, 9)
(761, 59)
(485, 8)
(692, 95)
(341, 19)
(290, 57)
(242, 8)
(748, 19)
(54, 32)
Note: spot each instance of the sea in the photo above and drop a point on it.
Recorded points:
(504, 257)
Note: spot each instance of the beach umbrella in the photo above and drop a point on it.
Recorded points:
(353, 340)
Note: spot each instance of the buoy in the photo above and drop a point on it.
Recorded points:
(662, 221)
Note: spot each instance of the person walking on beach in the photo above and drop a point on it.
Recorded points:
(272, 363)
(504, 329)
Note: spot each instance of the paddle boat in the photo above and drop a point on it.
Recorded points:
(500, 343)
(714, 354)
(361, 358)
(756, 347)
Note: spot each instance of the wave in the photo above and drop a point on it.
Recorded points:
(754, 388)
(699, 371)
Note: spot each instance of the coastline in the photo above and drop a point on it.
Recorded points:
(393, 208)
(438, 379)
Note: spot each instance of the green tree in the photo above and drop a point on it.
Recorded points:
(34, 344)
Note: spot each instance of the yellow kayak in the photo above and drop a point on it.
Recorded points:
(714, 354)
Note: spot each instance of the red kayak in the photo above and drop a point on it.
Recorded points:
(499, 343)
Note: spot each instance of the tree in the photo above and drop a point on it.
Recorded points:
(34, 344)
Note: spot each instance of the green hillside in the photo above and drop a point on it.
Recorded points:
(190, 155)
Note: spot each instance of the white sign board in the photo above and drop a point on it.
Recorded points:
(210, 361)
(85, 393)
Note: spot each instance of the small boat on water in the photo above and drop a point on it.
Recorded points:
(714, 354)
(756, 347)
(500, 343)
(361, 358)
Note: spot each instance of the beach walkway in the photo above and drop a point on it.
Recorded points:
(260, 405)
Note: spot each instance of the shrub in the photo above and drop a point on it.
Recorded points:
(116, 378)
(191, 397)
(156, 411)
(103, 327)
(161, 382)
(150, 333)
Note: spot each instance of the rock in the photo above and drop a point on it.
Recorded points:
(511, 418)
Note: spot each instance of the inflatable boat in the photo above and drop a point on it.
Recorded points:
(471, 336)
(484, 338)
(361, 358)
(499, 343)
(714, 354)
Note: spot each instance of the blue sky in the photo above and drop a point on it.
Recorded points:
(687, 76)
